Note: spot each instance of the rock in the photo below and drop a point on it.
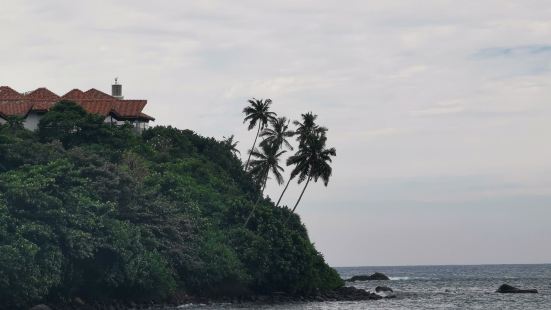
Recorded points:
(41, 307)
(506, 288)
(375, 276)
(350, 293)
(383, 289)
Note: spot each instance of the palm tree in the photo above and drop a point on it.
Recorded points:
(277, 135)
(308, 128)
(312, 162)
(265, 161)
(231, 145)
(305, 130)
(258, 112)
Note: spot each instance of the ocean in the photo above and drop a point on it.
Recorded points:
(438, 287)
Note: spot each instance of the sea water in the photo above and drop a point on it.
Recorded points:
(439, 287)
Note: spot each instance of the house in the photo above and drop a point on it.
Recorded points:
(34, 104)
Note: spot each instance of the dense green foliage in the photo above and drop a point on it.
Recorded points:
(99, 212)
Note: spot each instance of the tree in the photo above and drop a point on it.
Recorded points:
(264, 162)
(307, 129)
(69, 123)
(258, 112)
(15, 122)
(312, 162)
(231, 145)
(277, 137)
(278, 134)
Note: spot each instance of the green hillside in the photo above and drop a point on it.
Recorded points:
(101, 213)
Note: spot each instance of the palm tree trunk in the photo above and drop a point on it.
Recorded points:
(299, 198)
(254, 143)
(257, 199)
(281, 196)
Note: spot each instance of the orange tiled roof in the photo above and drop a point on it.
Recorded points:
(75, 94)
(41, 94)
(96, 94)
(93, 101)
(7, 92)
(14, 108)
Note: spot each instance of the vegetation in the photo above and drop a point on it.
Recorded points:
(231, 145)
(312, 162)
(277, 135)
(257, 112)
(264, 162)
(95, 211)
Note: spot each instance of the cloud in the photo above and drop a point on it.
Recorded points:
(453, 89)
(524, 60)
(410, 71)
(517, 51)
(380, 132)
(443, 110)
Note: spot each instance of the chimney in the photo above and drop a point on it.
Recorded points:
(116, 90)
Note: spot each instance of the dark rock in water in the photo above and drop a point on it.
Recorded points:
(506, 288)
(383, 289)
(41, 307)
(358, 278)
(352, 293)
(375, 276)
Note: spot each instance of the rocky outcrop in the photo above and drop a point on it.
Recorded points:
(346, 293)
(352, 293)
(40, 307)
(375, 276)
(508, 289)
(379, 289)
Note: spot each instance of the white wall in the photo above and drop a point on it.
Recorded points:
(111, 120)
(31, 121)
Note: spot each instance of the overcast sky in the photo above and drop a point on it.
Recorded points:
(440, 110)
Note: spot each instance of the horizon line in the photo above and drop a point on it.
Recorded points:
(442, 265)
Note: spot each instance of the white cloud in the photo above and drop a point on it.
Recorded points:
(398, 83)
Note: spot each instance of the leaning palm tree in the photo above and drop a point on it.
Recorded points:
(277, 134)
(258, 112)
(307, 129)
(277, 137)
(265, 161)
(312, 162)
(231, 145)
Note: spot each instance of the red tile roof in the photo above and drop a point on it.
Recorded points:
(7, 92)
(42, 94)
(96, 94)
(93, 101)
(74, 94)
(14, 108)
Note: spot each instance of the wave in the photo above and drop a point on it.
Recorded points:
(411, 278)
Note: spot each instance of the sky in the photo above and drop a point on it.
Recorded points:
(440, 111)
